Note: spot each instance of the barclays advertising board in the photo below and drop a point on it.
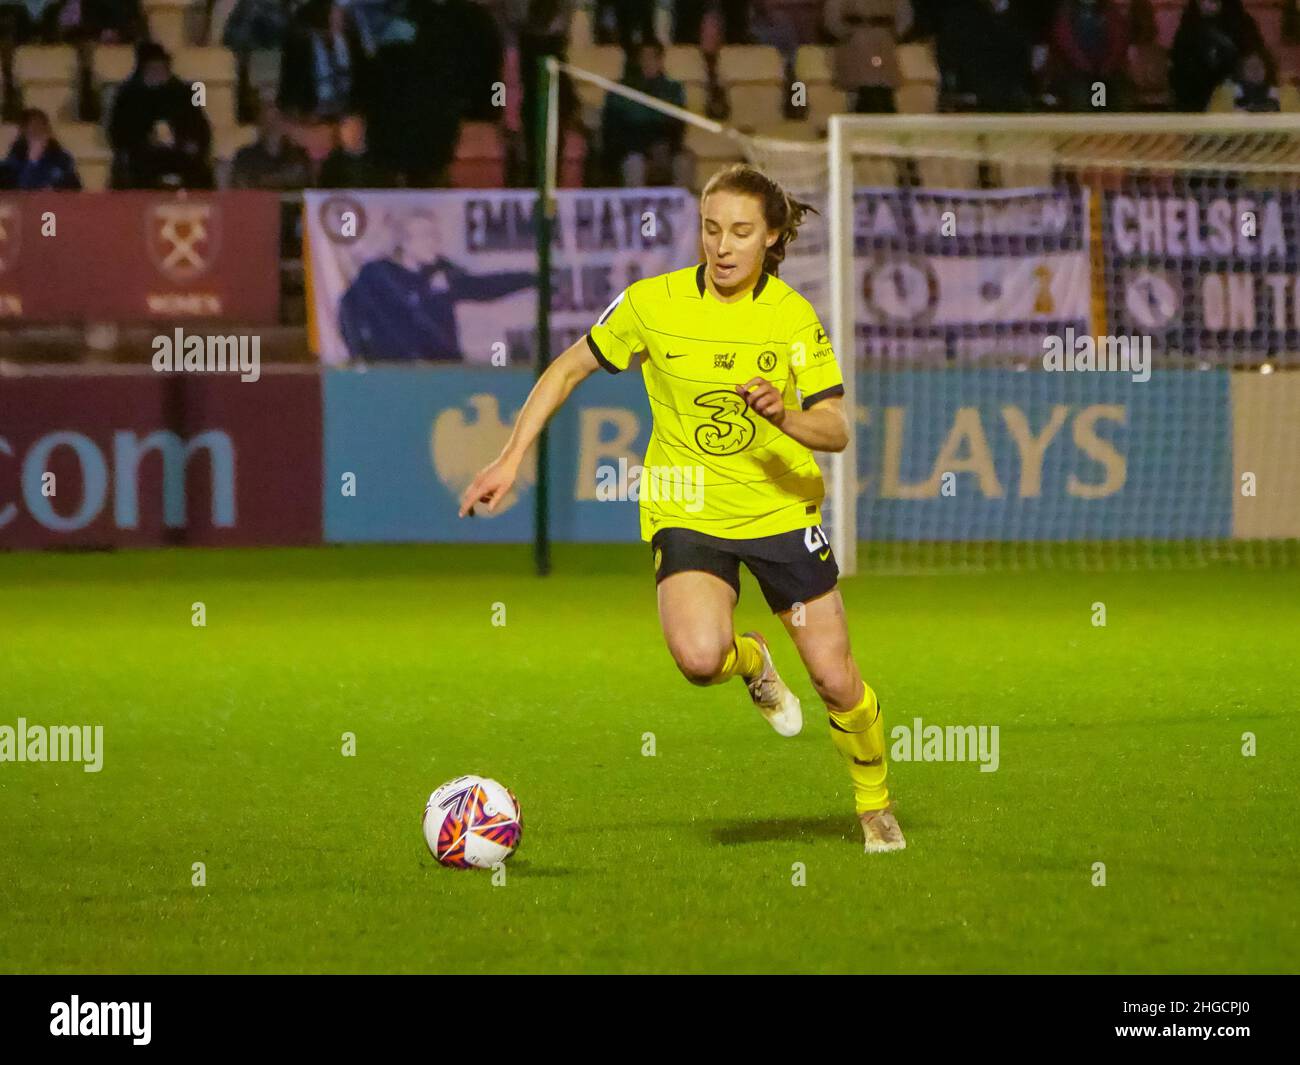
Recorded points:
(955, 455)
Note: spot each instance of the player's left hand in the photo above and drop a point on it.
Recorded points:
(763, 396)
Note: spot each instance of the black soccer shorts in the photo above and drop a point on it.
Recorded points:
(791, 567)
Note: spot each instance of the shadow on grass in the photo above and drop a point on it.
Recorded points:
(776, 830)
(523, 865)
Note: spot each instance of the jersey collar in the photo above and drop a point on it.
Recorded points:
(699, 282)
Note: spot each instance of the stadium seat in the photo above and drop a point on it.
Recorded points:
(215, 68)
(227, 140)
(46, 76)
(916, 63)
(89, 147)
(950, 172)
(167, 23)
(580, 35)
(1032, 169)
(754, 80)
(917, 98)
(685, 63)
(812, 64)
(711, 150)
(480, 161)
(755, 106)
(875, 172)
(796, 130)
(823, 101)
(110, 65)
(605, 60)
(743, 64)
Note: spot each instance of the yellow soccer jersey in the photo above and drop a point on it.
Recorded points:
(714, 465)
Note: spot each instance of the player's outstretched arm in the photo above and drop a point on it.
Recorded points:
(822, 427)
(492, 483)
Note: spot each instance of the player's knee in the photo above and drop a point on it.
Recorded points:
(838, 684)
(700, 663)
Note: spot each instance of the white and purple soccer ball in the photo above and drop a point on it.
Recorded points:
(472, 822)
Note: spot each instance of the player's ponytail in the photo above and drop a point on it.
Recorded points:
(781, 211)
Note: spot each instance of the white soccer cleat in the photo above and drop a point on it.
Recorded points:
(776, 702)
(881, 831)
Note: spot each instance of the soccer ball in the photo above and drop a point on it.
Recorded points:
(472, 822)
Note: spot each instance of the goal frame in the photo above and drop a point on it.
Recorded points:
(901, 136)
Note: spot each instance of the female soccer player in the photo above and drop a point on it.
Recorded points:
(743, 386)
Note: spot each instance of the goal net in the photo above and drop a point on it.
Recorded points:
(1066, 340)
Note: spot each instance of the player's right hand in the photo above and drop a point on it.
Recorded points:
(490, 485)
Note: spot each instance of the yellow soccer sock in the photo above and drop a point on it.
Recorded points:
(743, 658)
(859, 735)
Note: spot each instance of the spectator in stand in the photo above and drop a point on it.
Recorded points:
(1212, 38)
(1090, 46)
(36, 159)
(417, 93)
(625, 22)
(482, 53)
(1256, 89)
(641, 144)
(255, 25)
(542, 29)
(321, 63)
(97, 21)
(19, 20)
(1148, 63)
(717, 101)
(348, 165)
(689, 14)
(772, 24)
(160, 139)
(273, 161)
(927, 15)
(866, 33)
(984, 50)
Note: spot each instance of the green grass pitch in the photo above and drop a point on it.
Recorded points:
(222, 745)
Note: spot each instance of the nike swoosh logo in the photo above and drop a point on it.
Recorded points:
(679, 355)
(874, 761)
(824, 555)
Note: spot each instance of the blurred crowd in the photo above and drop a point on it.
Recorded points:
(393, 81)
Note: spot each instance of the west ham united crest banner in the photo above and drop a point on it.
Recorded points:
(451, 276)
(140, 257)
